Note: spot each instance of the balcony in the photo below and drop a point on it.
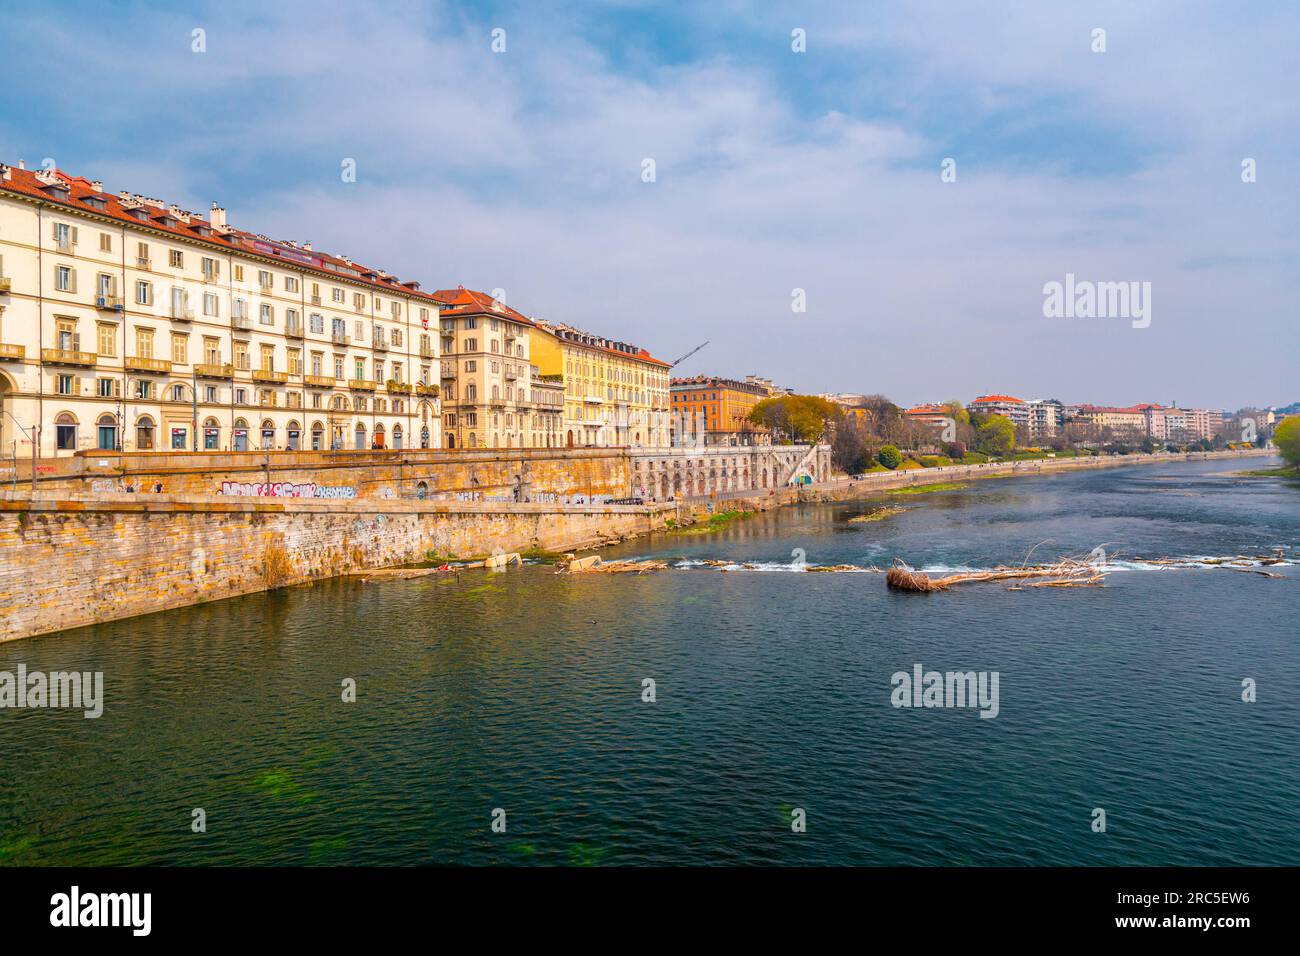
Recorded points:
(12, 353)
(241, 323)
(426, 351)
(5, 284)
(362, 385)
(318, 381)
(511, 375)
(182, 314)
(212, 277)
(109, 303)
(594, 400)
(340, 338)
(293, 330)
(398, 388)
(379, 345)
(432, 391)
(315, 300)
(448, 371)
(143, 263)
(270, 376)
(137, 363)
(67, 357)
(208, 370)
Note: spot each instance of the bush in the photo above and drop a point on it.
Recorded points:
(910, 464)
(935, 461)
(890, 457)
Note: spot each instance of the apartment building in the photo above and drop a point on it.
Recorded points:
(715, 410)
(493, 395)
(614, 393)
(130, 324)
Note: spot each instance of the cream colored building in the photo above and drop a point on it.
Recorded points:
(130, 324)
(493, 394)
(614, 393)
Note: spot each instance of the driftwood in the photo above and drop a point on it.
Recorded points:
(594, 565)
(1067, 572)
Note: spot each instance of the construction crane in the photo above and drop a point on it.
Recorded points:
(688, 355)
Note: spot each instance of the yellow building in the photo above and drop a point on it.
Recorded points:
(614, 393)
(130, 324)
(493, 394)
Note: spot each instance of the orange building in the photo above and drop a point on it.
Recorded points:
(707, 405)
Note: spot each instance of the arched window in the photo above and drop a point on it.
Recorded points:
(211, 435)
(241, 435)
(107, 432)
(379, 436)
(65, 432)
(397, 436)
(268, 435)
(361, 436)
(293, 436)
(144, 434)
(317, 436)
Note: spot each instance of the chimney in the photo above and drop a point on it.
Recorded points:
(4, 173)
(306, 246)
(22, 164)
(217, 217)
(97, 185)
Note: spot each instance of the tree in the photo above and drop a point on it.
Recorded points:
(802, 417)
(995, 435)
(890, 457)
(1287, 438)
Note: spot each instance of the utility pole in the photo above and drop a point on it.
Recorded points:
(194, 394)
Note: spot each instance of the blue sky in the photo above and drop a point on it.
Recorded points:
(775, 171)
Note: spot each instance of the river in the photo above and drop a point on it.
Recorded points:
(523, 692)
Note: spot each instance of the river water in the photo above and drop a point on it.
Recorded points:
(523, 691)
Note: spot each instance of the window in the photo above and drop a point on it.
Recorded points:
(239, 309)
(266, 315)
(337, 295)
(104, 285)
(107, 339)
(65, 433)
(176, 259)
(211, 304)
(211, 267)
(317, 322)
(471, 345)
(179, 438)
(290, 283)
(239, 273)
(178, 393)
(105, 242)
(63, 279)
(144, 390)
(264, 278)
(180, 348)
(107, 387)
(65, 385)
(64, 235)
(210, 394)
(143, 293)
(144, 343)
(144, 434)
(211, 350)
(107, 433)
(142, 254)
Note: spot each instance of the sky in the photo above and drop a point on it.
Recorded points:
(799, 218)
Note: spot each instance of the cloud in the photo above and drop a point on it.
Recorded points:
(775, 171)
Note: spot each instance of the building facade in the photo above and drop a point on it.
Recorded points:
(129, 324)
(614, 393)
(493, 395)
(708, 409)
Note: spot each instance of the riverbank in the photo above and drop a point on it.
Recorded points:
(71, 560)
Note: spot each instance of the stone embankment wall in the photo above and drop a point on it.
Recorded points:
(546, 473)
(70, 561)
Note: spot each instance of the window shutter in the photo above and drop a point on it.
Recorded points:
(72, 280)
(74, 235)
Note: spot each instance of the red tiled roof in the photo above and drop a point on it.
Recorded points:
(24, 182)
(463, 301)
(983, 399)
(927, 410)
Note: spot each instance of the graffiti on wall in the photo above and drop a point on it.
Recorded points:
(286, 489)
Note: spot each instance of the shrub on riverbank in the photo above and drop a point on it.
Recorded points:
(890, 457)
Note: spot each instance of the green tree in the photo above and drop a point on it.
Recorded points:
(801, 417)
(890, 457)
(1287, 438)
(995, 435)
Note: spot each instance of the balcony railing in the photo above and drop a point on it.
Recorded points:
(447, 371)
(109, 303)
(362, 385)
(12, 353)
(315, 300)
(5, 284)
(432, 391)
(319, 381)
(242, 323)
(214, 370)
(269, 375)
(379, 344)
(67, 357)
(426, 351)
(142, 262)
(293, 330)
(137, 363)
(182, 314)
(340, 338)
(400, 388)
